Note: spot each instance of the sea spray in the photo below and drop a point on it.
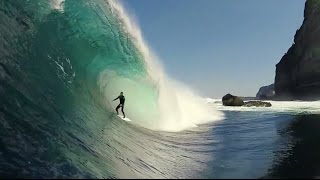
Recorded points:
(174, 107)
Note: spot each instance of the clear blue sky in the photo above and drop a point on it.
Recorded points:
(219, 46)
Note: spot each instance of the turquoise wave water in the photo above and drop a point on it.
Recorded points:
(61, 63)
(85, 43)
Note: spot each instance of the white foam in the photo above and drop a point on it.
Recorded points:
(58, 5)
(277, 106)
(179, 108)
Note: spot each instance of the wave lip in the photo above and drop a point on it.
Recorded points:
(154, 101)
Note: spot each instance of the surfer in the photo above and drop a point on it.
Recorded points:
(122, 100)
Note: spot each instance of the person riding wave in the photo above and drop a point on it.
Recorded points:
(122, 100)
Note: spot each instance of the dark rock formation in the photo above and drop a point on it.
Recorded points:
(257, 104)
(244, 98)
(266, 92)
(298, 72)
(230, 100)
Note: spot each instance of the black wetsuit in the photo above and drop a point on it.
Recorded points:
(122, 100)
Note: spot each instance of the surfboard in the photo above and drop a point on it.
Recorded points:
(125, 119)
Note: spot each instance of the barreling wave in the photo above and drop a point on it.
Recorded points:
(154, 100)
(61, 64)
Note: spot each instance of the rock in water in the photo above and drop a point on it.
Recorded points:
(298, 72)
(257, 104)
(230, 100)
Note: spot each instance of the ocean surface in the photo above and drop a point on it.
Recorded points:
(61, 64)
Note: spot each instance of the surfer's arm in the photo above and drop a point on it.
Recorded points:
(116, 98)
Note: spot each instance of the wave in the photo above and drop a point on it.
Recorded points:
(154, 100)
(61, 64)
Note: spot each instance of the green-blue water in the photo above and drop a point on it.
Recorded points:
(60, 67)
(51, 62)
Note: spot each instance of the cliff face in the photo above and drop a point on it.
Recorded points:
(298, 72)
(266, 92)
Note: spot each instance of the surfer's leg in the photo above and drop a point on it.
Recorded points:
(117, 109)
(123, 111)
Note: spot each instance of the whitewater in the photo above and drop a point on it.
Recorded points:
(294, 107)
(178, 107)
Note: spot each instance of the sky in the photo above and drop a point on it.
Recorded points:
(219, 46)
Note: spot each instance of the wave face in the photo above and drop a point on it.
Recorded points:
(155, 101)
(61, 64)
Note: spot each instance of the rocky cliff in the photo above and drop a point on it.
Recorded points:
(298, 72)
(266, 92)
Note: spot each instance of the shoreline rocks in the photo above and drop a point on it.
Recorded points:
(257, 104)
(231, 100)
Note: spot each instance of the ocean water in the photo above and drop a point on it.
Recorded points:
(61, 64)
(261, 142)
